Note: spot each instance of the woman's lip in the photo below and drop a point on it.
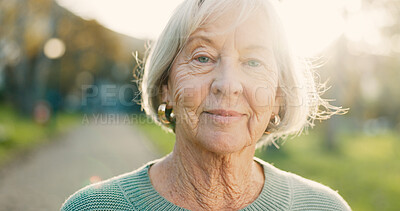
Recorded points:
(224, 113)
(223, 117)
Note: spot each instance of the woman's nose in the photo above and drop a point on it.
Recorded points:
(227, 80)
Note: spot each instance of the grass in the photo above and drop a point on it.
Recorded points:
(19, 134)
(365, 169)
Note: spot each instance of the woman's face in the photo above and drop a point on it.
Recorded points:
(223, 84)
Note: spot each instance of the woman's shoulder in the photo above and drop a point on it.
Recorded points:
(303, 193)
(106, 195)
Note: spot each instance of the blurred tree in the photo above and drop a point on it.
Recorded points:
(27, 26)
(365, 74)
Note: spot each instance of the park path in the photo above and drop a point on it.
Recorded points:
(44, 178)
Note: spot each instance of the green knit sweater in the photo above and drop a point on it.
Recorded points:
(134, 191)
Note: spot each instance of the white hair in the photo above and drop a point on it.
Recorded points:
(300, 92)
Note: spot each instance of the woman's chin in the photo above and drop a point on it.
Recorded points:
(221, 142)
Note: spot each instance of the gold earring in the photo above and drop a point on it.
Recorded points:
(272, 126)
(166, 116)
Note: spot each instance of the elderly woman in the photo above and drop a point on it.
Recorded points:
(222, 78)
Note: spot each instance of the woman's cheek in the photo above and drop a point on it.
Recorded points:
(187, 93)
(261, 101)
(263, 97)
(187, 86)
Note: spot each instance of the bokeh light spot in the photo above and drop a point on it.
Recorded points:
(54, 48)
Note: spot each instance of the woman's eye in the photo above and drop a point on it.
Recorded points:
(203, 59)
(253, 63)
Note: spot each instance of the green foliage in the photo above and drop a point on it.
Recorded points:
(364, 169)
(18, 133)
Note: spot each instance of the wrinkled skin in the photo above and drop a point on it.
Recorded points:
(228, 68)
(226, 81)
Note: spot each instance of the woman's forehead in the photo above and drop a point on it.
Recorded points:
(254, 30)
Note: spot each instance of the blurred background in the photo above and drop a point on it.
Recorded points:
(68, 115)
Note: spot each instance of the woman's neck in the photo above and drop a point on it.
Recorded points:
(197, 179)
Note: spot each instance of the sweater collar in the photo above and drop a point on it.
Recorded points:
(137, 187)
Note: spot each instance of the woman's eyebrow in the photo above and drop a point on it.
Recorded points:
(258, 47)
(201, 38)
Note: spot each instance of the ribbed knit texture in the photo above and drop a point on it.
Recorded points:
(134, 191)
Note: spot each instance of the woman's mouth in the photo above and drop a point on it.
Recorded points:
(221, 116)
